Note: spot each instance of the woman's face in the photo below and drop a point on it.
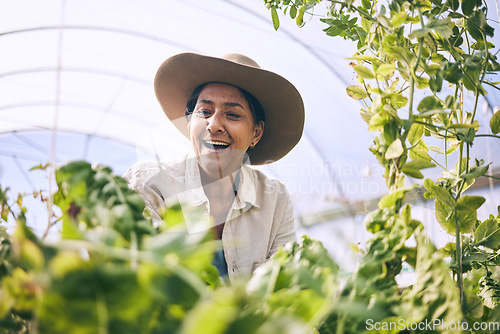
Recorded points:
(222, 128)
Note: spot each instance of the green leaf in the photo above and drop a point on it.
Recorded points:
(436, 149)
(476, 25)
(363, 57)
(453, 73)
(432, 112)
(395, 150)
(419, 33)
(419, 164)
(471, 80)
(275, 18)
(437, 58)
(489, 291)
(389, 200)
(475, 307)
(375, 90)
(468, 7)
(398, 19)
(443, 27)
(384, 21)
(472, 202)
(356, 92)
(415, 173)
(302, 265)
(293, 12)
(479, 45)
(442, 214)
(487, 234)
(448, 249)
(397, 99)
(397, 52)
(363, 71)
(413, 168)
(454, 4)
(421, 82)
(377, 121)
(429, 103)
(415, 133)
(4, 212)
(495, 122)
(464, 214)
(439, 192)
(31, 254)
(385, 70)
(474, 173)
(475, 125)
(434, 294)
(436, 82)
(452, 148)
(419, 152)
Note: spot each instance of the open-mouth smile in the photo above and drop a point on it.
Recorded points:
(215, 144)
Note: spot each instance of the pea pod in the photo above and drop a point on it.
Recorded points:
(299, 20)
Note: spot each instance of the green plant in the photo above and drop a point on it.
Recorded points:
(422, 66)
(112, 272)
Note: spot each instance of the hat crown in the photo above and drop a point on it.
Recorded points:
(241, 59)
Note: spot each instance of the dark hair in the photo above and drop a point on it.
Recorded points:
(253, 103)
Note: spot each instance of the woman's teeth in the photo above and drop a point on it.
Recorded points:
(215, 144)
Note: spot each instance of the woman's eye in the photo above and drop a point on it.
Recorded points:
(233, 115)
(203, 113)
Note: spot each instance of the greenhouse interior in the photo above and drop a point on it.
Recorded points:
(76, 83)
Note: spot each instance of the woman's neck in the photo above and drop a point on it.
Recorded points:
(224, 188)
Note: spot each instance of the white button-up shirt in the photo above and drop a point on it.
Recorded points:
(259, 220)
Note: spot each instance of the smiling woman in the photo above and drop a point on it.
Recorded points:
(222, 129)
(235, 114)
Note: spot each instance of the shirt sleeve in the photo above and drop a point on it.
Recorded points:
(286, 232)
(137, 176)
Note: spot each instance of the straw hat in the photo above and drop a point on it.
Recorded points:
(179, 75)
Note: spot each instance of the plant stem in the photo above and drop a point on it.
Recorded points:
(446, 149)
(414, 68)
(487, 135)
(458, 255)
(340, 323)
(458, 250)
(459, 191)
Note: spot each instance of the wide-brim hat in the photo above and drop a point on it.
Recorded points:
(179, 75)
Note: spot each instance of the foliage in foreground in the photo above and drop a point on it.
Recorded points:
(105, 278)
(112, 272)
(438, 52)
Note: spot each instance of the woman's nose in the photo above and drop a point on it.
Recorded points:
(215, 123)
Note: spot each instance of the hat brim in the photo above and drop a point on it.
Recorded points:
(179, 75)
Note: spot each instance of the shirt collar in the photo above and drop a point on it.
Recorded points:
(247, 192)
(196, 196)
(192, 180)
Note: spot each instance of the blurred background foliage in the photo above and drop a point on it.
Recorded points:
(110, 271)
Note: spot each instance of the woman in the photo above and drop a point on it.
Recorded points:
(235, 114)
